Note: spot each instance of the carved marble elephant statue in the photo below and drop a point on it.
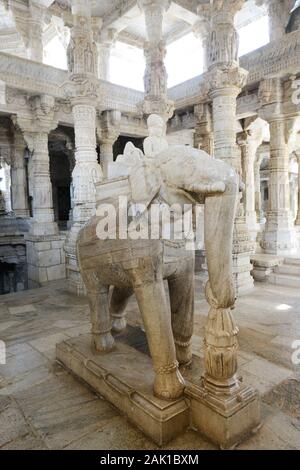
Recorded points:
(179, 174)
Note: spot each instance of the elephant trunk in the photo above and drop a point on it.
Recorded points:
(219, 216)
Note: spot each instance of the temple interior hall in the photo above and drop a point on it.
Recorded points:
(80, 82)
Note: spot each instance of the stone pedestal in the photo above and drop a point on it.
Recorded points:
(264, 265)
(225, 420)
(45, 259)
(124, 377)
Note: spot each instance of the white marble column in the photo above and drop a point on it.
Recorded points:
(257, 183)
(87, 171)
(249, 146)
(278, 12)
(220, 386)
(279, 237)
(83, 69)
(36, 129)
(226, 80)
(44, 243)
(42, 203)
(201, 29)
(297, 221)
(19, 185)
(203, 138)
(108, 131)
(155, 78)
(37, 14)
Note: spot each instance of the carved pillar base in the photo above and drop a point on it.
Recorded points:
(243, 247)
(276, 240)
(221, 407)
(45, 259)
(225, 420)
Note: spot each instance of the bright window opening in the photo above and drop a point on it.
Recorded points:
(254, 35)
(55, 54)
(127, 66)
(184, 59)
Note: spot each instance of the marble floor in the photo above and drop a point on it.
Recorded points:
(43, 407)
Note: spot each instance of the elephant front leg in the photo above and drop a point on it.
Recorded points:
(118, 303)
(181, 289)
(151, 298)
(102, 339)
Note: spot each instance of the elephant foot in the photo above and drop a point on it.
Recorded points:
(184, 353)
(169, 383)
(102, 343)
(118, 325)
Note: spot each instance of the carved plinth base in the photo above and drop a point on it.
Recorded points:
(45, 259)
(225, 420)
(125, 377)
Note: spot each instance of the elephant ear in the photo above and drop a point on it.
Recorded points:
(145, 182)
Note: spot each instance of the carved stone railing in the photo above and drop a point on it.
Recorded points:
(31, 76)
(278, 58)
(35, 78)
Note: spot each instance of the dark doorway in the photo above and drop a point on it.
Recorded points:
(61, 181)
(122, 141)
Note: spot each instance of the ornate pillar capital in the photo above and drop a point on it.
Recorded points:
(108, 126)
(42, 118)
(226, 81)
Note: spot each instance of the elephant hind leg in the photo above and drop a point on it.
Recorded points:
(118, 303)
(181, 289)
(97, 293)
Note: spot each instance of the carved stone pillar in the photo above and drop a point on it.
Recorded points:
(35, 31)
(202, 31)
(249, 143)
(82, 64)
(278, 12)
(225, 87)
(35, 131)
(226, 80)
(155, 78)
(297, 221)
(44, 245)
(108, 130)
(257, 184)
(105, 43)
(204, 138)
(19, 185)
(42, 204)
(231, 408)
(279, 237)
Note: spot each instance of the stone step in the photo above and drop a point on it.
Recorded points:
(284, 280)
(290, 269)
(294, 261)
